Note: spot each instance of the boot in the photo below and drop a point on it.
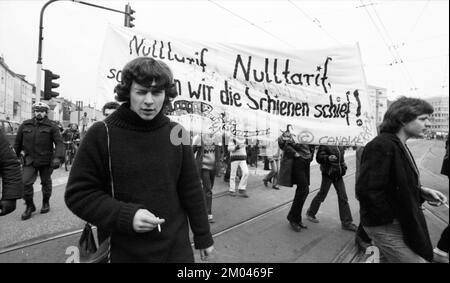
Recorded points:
(45, 205)
(29, 210)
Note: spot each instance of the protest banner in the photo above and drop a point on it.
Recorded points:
(252, 92)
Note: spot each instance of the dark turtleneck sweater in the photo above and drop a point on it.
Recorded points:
(148, 172)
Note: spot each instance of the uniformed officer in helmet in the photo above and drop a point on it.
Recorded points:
(42, 146)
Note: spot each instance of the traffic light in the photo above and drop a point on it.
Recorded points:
(49, 85)
(128, 16)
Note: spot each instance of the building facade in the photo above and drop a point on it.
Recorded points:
(378, 102)
(92, 115)
(16, 95)
(439, 119)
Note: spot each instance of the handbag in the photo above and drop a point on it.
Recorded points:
(90, 251)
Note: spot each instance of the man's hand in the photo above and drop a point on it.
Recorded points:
(206, 254)
(332, 158)
(7, 206)
(145, 221)
(433, 197)
(56, 163)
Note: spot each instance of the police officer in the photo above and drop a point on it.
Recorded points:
(42, 146)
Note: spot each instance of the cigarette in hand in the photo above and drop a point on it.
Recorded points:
(159, 227)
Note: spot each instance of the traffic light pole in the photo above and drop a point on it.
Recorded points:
(97, 6)
(39, 60)
(41, 27)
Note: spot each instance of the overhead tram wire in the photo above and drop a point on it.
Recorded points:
(417, 21)
(314, 21)
(403, 63)
(382, 37)
(413, 60)
(397, 58)
(253, 24)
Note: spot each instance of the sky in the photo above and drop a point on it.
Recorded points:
(404, 44)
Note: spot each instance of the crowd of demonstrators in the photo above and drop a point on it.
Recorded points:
(155, 181)
(389, 189)
(11, 175)
(295, 169)
(238, 159)
(333, 168)
(207, 156)
(40, 142)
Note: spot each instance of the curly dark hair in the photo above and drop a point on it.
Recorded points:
(402, 111)
(145, 71)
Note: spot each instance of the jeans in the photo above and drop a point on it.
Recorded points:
(344, 208)
(300, 177)
(243, 182)
(30, 176)
(272, 176)
(208, 177)
(389, 240)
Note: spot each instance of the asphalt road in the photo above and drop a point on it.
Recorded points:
(264, 239)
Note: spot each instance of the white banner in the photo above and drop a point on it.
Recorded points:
(250, 91)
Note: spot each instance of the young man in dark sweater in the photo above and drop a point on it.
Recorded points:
(156, 183)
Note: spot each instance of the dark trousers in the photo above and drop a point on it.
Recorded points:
(207, 184)
(443, 241)
(361, 233)
(226, 177)
(344, 209)
(266, 163)
(29, 177)
(300, 177)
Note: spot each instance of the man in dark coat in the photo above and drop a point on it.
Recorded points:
(41, 142)
(333, 168)
(11, 176)
(156, 182)
(295, 169)
(389, 189)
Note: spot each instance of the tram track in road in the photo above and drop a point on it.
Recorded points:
(266, 212)
(35, 242)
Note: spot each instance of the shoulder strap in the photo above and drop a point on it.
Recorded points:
(109, 159)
